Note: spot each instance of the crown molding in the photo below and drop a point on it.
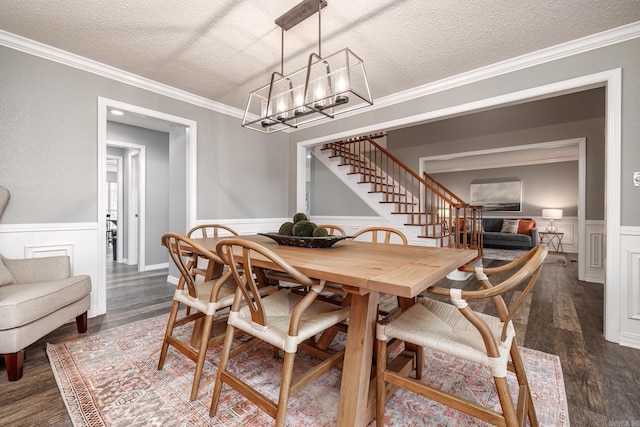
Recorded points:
(574, 47)
(44, 51)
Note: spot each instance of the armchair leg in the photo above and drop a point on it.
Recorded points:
(81, 322)
(14, 363)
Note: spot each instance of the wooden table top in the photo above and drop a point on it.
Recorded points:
(393, 269)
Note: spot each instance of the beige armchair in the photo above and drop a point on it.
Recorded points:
(37, 296)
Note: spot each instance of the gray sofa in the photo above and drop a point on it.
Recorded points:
(493, 237)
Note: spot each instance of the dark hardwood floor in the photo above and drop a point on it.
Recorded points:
(562, 316)
(35, 400)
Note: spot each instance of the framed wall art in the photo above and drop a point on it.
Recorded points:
(499, 195)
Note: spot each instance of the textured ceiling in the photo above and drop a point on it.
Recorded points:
(224, 49)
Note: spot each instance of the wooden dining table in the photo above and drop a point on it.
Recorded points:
(364, 270)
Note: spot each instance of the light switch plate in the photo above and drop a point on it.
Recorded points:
(636, 179)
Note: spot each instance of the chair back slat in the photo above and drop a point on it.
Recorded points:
(385, 234)
(237, 254)
(211, 230)
(528, 268)
(181, 252)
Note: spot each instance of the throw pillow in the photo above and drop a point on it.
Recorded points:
(525, 225)
(510, 226)
(6, 278)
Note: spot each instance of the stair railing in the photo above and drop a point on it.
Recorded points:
(426, 202)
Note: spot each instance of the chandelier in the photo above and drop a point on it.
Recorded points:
(326, 87)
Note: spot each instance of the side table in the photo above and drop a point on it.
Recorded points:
(554, 241)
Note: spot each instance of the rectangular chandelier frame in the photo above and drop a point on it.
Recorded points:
(326, 87)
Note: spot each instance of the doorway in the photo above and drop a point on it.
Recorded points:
(185, 212)
(126, 218)
(113, 196)
(612, 81)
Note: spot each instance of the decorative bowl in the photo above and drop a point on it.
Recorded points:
(305, 242)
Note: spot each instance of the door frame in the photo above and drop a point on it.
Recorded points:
(104, 104)
(557, 147)
(612, 81)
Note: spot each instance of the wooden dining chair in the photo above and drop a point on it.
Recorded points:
(334, 230)
(203, 268)
(205, 299)
(384, 236)
(283, 319)
(459, 331)
(374, 235)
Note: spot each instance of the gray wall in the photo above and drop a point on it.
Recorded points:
(571, 116)
(622, 55)
(48, 120)
(329, 196)
(552, 185)
(49, 127)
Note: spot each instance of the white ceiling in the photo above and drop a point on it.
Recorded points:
(223, 49)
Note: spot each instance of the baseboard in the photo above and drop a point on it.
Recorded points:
(156, 266)
(629, 340)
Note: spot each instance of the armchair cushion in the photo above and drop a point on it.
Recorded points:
(42, 298)
(32, 270)
(6, 278)
(23, 303)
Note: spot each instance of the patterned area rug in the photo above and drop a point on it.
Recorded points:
(553, 258)
(110, 379)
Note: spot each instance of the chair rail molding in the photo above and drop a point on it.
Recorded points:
(78, 240)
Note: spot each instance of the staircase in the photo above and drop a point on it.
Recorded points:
(417, 203)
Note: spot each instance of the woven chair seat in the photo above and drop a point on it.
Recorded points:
(456, 329)
(202, 303)
(279, 306)
(440, 326)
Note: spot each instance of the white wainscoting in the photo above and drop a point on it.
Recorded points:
(594, 258)
(629, 287)
(78, 240)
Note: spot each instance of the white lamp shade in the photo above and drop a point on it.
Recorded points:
(552, 213)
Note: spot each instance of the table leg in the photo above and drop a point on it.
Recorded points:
(356, 408)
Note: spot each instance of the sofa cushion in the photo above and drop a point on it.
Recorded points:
(506, 240)
(6, 278)
(525, 225)
(492, 224)
(22, 303)
(510, 226)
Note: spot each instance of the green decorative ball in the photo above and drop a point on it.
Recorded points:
(300, 216)
(320, 232)
(286, 229)
(303, 228)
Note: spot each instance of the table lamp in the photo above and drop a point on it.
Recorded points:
(551, 215)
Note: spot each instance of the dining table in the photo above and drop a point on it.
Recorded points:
(365, 270)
